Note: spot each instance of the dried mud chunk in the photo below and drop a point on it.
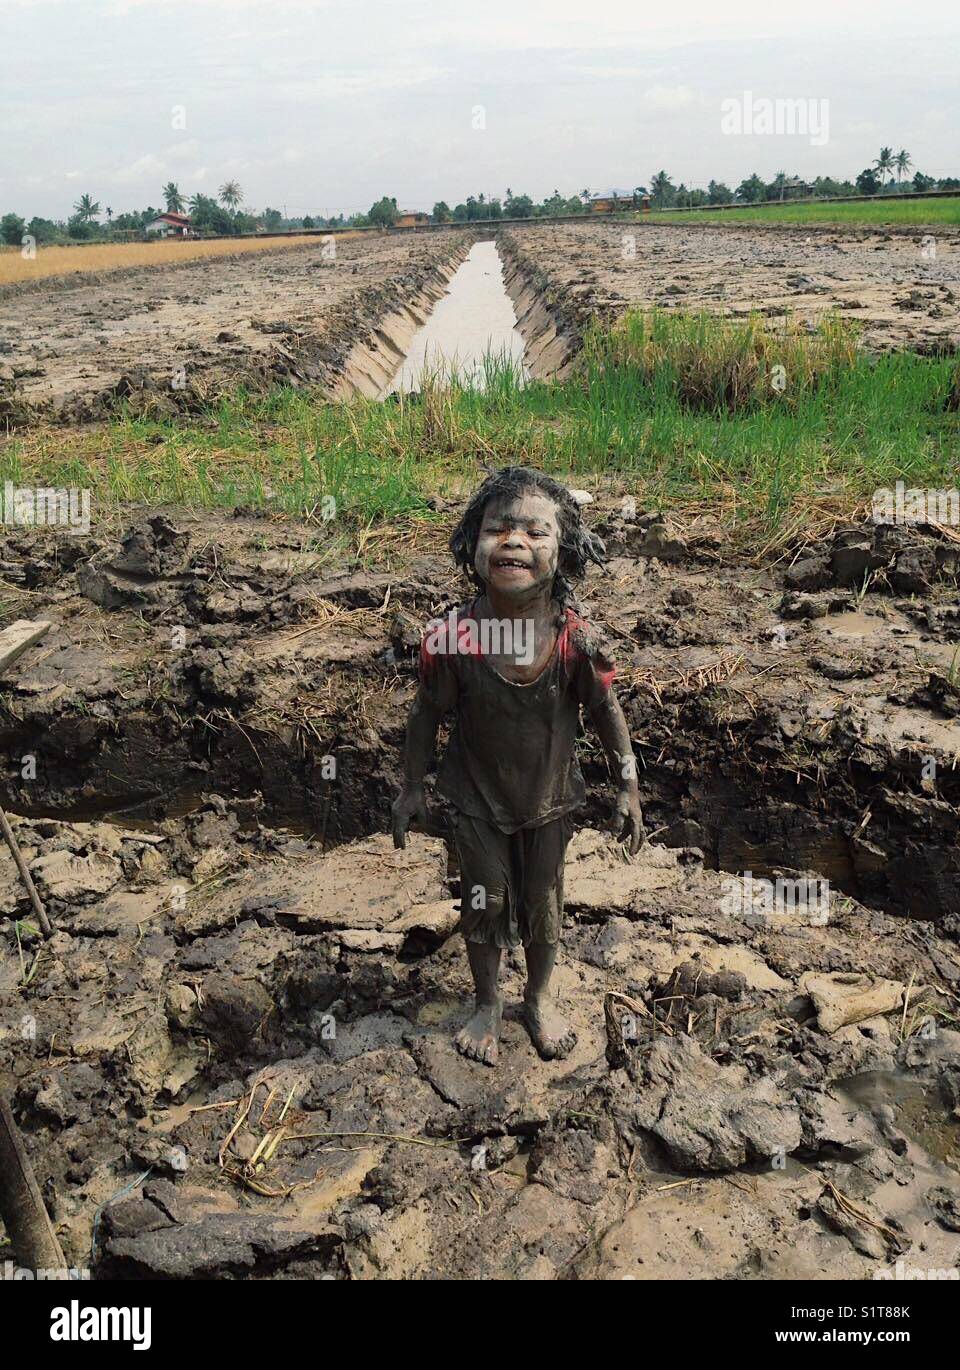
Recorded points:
(572, 1163)
(223, 676)
(133, 1217)
(152, 548)
(67, 1096)
(826, 1123)
(426, 927)
(655, 540)
(62, 875)
(105, 589)
(235, 1011)
(710, 1117)
(219, 1246)
(913, 571)
(946, 1207)
(854, 555)
(794, 605)
(812, 573)
(847, 997)
(307, 988)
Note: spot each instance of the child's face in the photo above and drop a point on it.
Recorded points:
(518, 544)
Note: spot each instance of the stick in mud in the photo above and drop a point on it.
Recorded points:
(26, 1220)
(25, 876)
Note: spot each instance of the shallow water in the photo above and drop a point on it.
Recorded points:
(473, 321)
(920, 1112)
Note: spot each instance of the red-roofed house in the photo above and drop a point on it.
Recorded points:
(170, 225)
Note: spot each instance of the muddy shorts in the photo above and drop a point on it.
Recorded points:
(511, 883)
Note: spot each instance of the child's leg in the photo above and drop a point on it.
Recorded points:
(478, 1039)
(541, 910)
(486, 904)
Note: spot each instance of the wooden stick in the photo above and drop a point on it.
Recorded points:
(27, 1222)
(25, 875)
(15, 640)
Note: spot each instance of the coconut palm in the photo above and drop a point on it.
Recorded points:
(661, 187)
(884, 162)
(85, 208)
(903, 163)
(173, 198)
(230, 194)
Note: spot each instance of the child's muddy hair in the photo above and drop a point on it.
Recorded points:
(578, 545)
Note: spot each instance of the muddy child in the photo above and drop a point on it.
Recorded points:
(515, 667)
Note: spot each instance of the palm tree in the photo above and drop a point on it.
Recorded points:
(661, 187)
(173, 198)
(230, 194)
(884, 162)
(85, 208)
(903, 163)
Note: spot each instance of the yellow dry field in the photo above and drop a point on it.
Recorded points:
(97, 257)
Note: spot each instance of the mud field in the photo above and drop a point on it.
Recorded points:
(167, 339)
(234, 1057)
(171, 337)
(886, 281)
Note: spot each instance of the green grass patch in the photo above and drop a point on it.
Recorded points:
(682, 409)
(886, 209)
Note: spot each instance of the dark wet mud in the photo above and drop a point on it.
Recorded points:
(166, 340)
(246, 1011)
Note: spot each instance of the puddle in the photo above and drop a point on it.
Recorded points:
(920, 1113)
(473, 322)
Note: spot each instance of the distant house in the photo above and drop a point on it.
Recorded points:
(608, 201)
(411, 218)
(793, 186)
(171, 225)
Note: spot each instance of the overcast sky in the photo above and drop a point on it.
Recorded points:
(321, 105)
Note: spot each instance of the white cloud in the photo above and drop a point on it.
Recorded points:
(147, 167)
(670, 97)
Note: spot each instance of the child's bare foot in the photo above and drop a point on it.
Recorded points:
(478, 1039)
(552, 1035)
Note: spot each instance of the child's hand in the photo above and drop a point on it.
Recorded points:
(628, 819)
(409, 804)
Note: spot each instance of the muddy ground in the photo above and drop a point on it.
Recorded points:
(171, 337)
(888, 282)
(756, 1092)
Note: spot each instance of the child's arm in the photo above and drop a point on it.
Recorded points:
(422, 727)
(611, 726)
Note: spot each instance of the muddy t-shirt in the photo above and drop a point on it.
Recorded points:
(511, 758)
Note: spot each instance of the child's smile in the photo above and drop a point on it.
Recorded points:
(518, 544)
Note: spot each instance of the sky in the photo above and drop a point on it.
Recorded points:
(323, 106)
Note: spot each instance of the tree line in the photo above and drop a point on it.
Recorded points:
(225, 214)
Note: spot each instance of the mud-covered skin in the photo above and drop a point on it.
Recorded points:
(550, 1033)
(516, 558)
